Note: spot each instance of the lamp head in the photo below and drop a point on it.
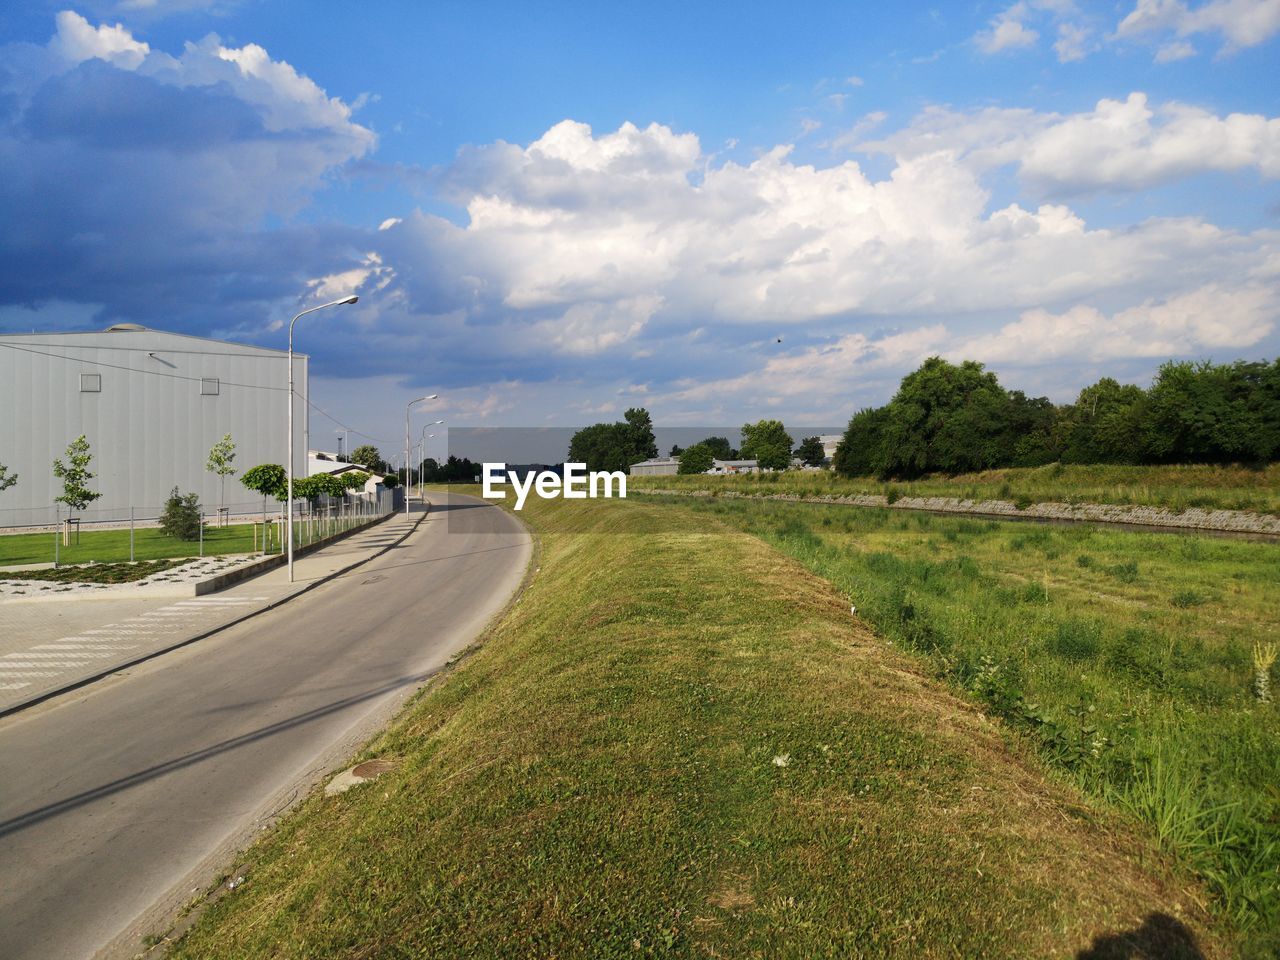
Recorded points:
(351, 299)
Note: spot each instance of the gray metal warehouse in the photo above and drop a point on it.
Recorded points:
(151, 404)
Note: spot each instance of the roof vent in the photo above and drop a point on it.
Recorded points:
(125, 328)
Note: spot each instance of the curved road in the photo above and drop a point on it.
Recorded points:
(119, 801)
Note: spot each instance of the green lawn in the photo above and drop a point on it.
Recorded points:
(679, 743)
(108, 546)
(1174, 487)
(1125, 657)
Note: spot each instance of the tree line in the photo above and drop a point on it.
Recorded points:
(957, 418)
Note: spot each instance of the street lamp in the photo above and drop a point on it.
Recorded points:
(407, 409)
(422, 448)
(289, 472)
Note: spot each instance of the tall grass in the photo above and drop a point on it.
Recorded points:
(1172, 487)
(1087, 642)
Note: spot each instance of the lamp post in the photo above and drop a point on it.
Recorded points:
(407, 409)
(422, 448)
(289, 460)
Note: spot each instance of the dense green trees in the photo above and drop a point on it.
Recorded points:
(615, 446)
(811, 453)
(696, 459)
(768, 443)
(453, 470)
(948, 418)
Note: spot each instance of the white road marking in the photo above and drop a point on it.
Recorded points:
(28, 673)
(13, 686)
(79, 646)
(47, 663)
(25, 655)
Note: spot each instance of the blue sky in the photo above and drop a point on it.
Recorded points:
(555, 211)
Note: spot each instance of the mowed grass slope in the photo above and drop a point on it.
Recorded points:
(1125, 657)
(1173, 487)
(680, 743)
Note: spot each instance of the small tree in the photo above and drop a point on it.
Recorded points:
(321, 484)
(354, 479)
(75, 474)
(768, 443)
(181, 517)
(7, 479)
(268, 479)
(219, 462)
(696, 459)
(367, 455)
(810, 451)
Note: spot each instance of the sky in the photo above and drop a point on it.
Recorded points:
(552, 212)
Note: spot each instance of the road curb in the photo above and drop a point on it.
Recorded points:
(151, 655)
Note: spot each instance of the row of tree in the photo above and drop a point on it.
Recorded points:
(957, 418)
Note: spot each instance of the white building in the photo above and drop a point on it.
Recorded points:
(658, 467)
(151, 404)
(321, 461)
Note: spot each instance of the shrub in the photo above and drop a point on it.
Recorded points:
(181, 517)
(1187, 598)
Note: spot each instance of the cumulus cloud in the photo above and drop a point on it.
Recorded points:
(1007, 31)
(1239, 23)
(631, 255)
(1202, 320)
(143, 180)
(1119, 145)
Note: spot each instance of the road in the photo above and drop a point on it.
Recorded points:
(120, 800)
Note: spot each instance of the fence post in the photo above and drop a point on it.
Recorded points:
(131, 533)
(202, 532)
(57, 533)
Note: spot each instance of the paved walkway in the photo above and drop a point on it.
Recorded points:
(47, 645)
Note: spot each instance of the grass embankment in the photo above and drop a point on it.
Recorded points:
(680, 743)
(98, 573)
(1126, 657)
(1172, 487)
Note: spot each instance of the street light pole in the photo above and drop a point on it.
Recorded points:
(422, 446)
(407, 410)
(289, 459)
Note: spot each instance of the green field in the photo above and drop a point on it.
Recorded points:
(680, 743)
(1125, 657)
(1174, 487)
(110, 546)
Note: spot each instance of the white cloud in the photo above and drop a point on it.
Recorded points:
(1191, 323)
(1240, 23)
(1119, 145)
(1174, 51)
(77, 41)
(1072, 43)
(1007, 31)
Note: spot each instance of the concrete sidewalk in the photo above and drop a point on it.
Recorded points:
(47, 647)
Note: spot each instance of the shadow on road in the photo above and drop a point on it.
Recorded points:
(33, 817)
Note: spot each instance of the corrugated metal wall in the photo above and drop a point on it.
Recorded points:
(149, 427)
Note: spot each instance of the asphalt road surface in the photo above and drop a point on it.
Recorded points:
(118, 801)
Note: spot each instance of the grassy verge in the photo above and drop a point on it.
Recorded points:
(679, 743)
(1173, 487)
(1127, 658)
(98, 573)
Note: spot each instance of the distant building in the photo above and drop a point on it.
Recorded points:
(658, 467)
(151, 404)
(829, 443)
(734, 466)
(321, 461)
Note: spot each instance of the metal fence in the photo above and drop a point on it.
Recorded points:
(312, 522)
